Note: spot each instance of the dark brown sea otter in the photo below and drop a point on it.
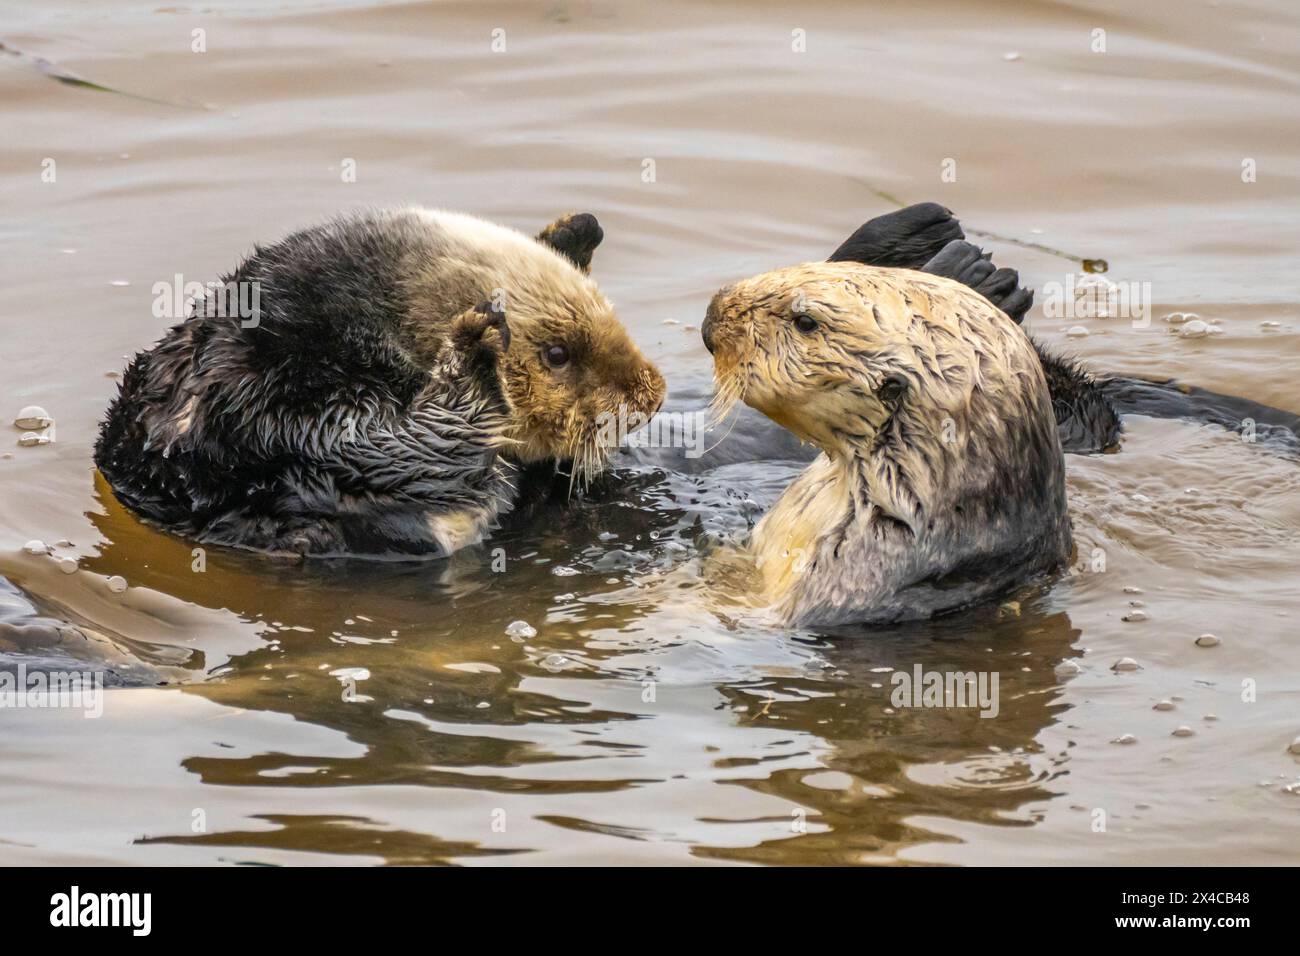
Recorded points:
(401, 366)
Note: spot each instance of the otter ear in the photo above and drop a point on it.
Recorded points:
(906, 239)
(575, 237)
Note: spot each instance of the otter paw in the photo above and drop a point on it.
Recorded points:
(575, 237)
(483, 327)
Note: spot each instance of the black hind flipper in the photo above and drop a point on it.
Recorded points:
(906, 239)
(970, 265)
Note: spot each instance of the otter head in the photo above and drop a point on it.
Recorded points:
(933, 400)
(560, 361)
(570, 370)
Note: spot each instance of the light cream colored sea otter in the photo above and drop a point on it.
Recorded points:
(941, 479)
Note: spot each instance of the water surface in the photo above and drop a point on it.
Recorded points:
(265, 712)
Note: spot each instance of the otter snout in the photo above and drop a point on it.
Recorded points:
(711, 317)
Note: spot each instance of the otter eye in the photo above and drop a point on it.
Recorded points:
(805, 323)
(556, 355)
(892, 388)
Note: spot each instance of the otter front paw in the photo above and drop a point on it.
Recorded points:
(481, 331)
(575, 237)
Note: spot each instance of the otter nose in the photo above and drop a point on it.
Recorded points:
(710, 324)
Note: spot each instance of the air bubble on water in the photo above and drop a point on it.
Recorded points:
(607, 536)
(28, 439)
(33, 418)
(1130, 589)
(520, 631)
(1294, 749)
(1133, 617)
(120, 283)
(36, 546)
(1195, 329)
(1183, 731)
(68, 565)
(1126, 664)
(1076, 332)
(1208, 640)
(564, 571)
(1125, 739)
(1164, 705)
(117, 584)
(1011, 56)
(557, 662)
(1067, 669)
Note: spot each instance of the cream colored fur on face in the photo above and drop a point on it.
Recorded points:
(964, 468)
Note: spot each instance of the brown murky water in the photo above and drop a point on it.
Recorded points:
(358, 712)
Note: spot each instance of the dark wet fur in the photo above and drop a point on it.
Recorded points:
(270, 460)
(927, 238)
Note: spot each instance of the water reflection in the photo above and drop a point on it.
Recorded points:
(411, 662)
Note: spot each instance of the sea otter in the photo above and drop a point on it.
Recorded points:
(941, 480)
(401, 366)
